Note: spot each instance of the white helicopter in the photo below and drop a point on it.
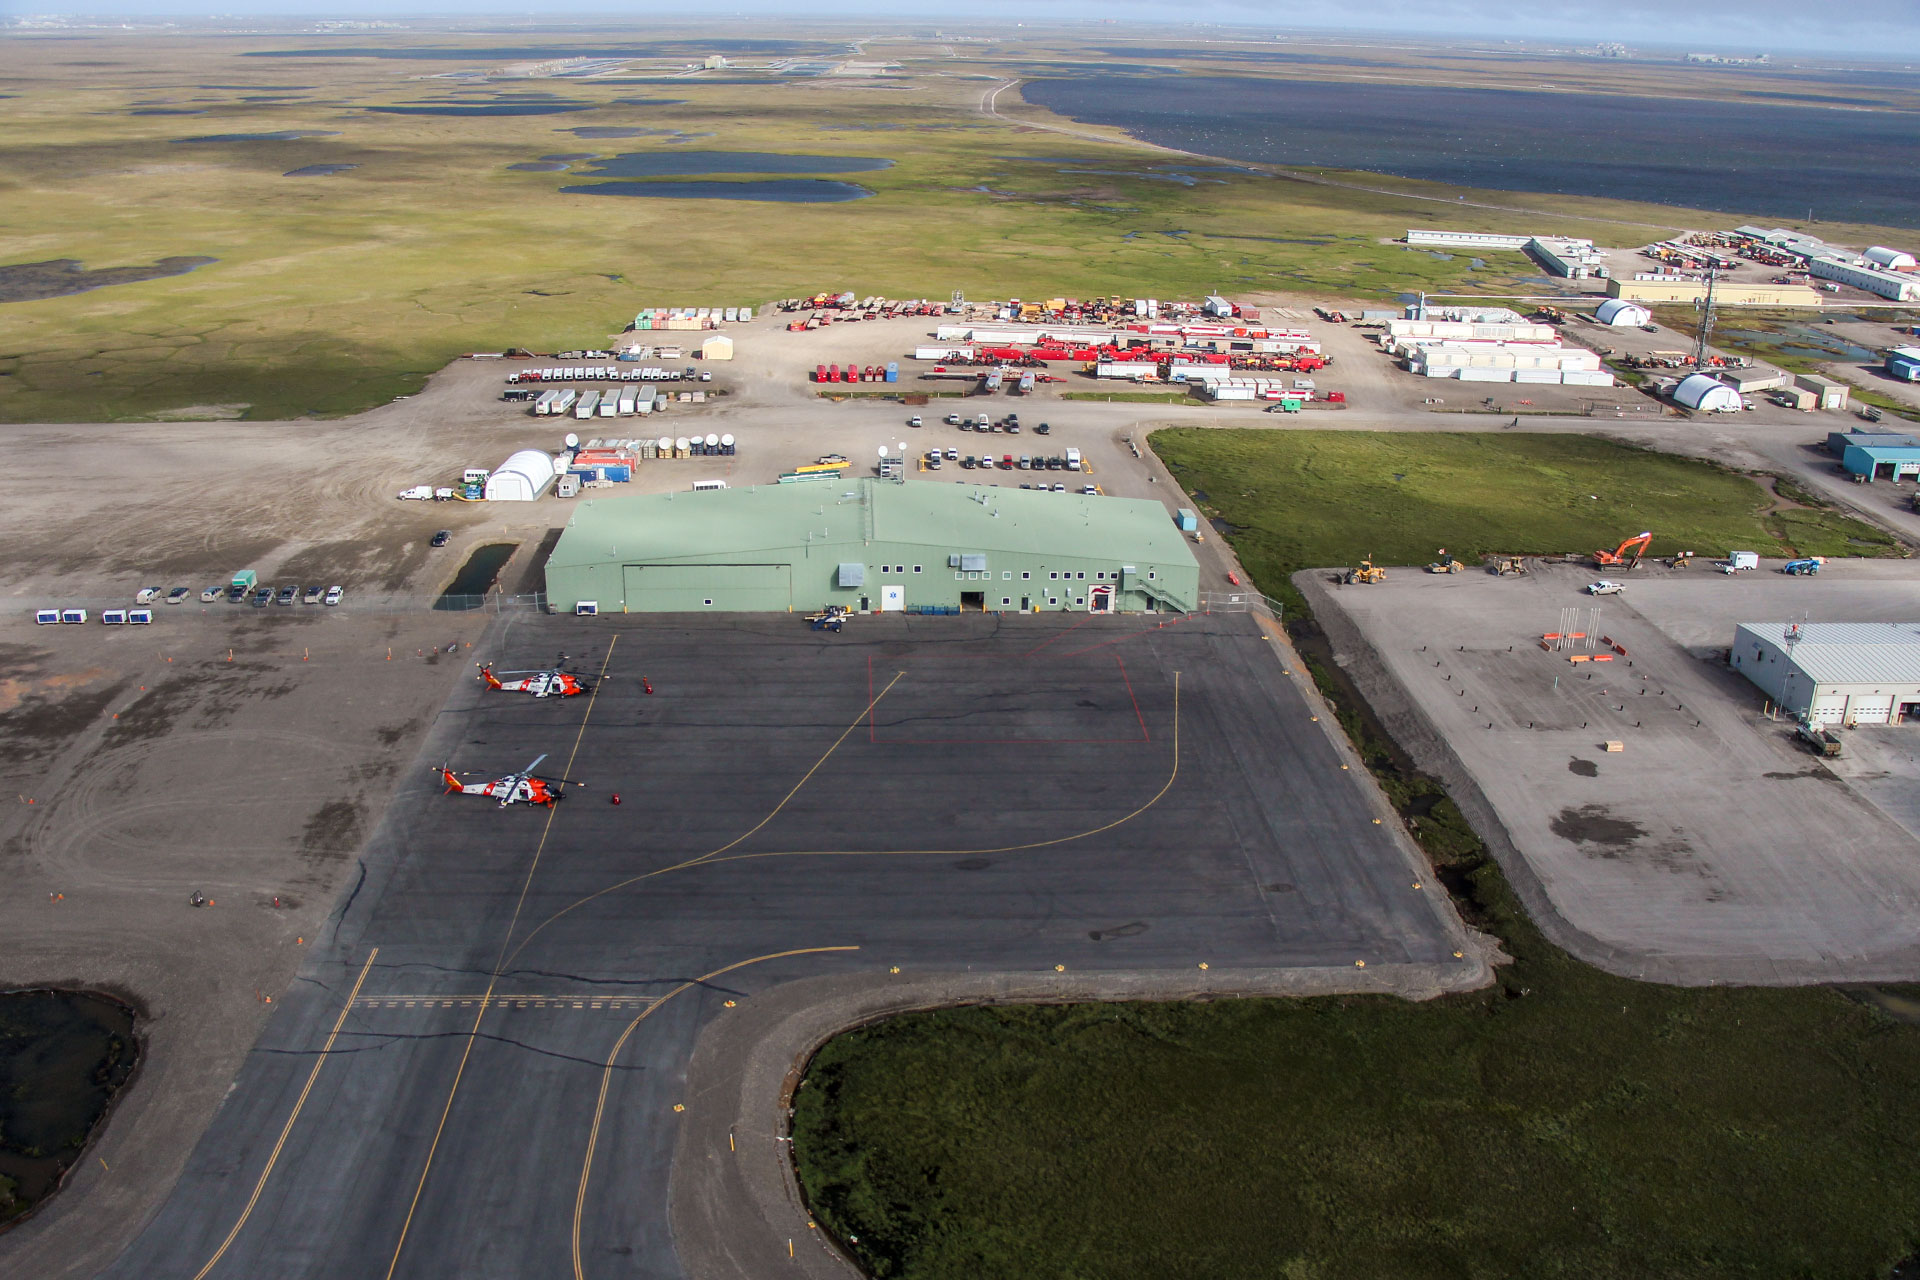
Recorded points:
(554, 682)
(516, 788)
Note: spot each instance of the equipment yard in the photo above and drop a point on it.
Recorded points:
(1711, 846)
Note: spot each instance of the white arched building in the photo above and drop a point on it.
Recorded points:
(1889, 259)
(1706, 393)
(521, 478)
(1621, 312)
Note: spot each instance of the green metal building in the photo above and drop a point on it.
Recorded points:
(878, 545)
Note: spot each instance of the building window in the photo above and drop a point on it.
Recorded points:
(1080, 600)
(1006, 575)
(1024, 575)
(708, 603)
(1006, 600)
(1051, 601)
(1149, 573)
(1083, 575)
(916, 568)
(1055, 575)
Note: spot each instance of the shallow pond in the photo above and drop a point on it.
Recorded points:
(661, 164)
(469, 587)
(489, 109)
(318, 170)
(285, 135)
(64, 1057)
(778, 190)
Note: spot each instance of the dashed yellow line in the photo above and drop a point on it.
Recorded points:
(273, 1157)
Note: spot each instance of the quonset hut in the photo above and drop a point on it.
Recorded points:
(872, 545)
(1618, 311)
(1706, 393)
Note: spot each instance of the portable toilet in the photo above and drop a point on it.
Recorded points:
(893, 371)
(44, 616)
(113, 617)
(140, 617)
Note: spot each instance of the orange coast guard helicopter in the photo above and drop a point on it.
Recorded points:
(516, 788)
(551, 683)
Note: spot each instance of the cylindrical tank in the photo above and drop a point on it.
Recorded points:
(712, 440)
(727, 440)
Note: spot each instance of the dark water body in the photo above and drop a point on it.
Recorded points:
(64, 1057)
(779, 190)
(318, 170)
(285, 135)
(667, 164)
(31, 281)
(263, 88)
(469, 587)
(567, 157)
(489, 109)
(1745, 159)
(168, 111)
(607, 131)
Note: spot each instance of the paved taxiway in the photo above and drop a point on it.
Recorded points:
(974, 794)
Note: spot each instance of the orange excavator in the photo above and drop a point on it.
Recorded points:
(1624, 556)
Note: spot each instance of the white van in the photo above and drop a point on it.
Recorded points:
(703, 486)
(1073, 459)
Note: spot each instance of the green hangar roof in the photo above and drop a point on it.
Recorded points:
(908, 545)
(952, 517)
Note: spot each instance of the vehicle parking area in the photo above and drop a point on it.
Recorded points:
(1711, 846)
(931, 796)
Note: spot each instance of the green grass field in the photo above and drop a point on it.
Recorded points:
(334, 294)
(1564, 1123)
(1306, 499)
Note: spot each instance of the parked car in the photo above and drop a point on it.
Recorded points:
(334, 596)
(179, 595)
(288, 595)
(914, 421)
(1605, 587)
(1059, 488)
(213, 592)
(263, 597)
(312, 595)
(146, 595)
(1043, 428)
(441, 538)
(953, 455)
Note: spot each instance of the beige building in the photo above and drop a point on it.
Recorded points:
(1724, 294)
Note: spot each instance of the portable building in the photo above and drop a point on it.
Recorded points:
(1834, 672)
(1619, 311)
(1758, 377)
(521, 478)
(1901, 286)
(1706, 393)
(718, 347)
(1828, 393)
(1904, 363)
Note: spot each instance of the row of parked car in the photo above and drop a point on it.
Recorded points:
(1005, 462)
(237, 593)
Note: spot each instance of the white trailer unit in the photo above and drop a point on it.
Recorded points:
(629, 396)
(588, 405)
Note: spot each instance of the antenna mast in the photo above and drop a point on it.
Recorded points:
(1706, 323)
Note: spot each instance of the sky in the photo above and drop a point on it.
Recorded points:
(1869, 29)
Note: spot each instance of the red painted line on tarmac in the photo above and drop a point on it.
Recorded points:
(1134, 635)
(1144, 736)
(1059, 635)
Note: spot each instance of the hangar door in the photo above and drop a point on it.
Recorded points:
(698, 588)
(1829, 708)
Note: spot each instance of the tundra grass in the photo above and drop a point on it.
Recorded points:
(1306, 499)
(332, 294)
(1563, 1123)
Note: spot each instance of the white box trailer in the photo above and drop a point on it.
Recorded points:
(609, 404)
(543, 407)
(629, 396)
(588, 405)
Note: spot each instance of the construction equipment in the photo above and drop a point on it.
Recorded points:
(1445, 564)
(1626, 555)
(1504, 565)
(1807, 566)
(1679, 560)
(1364, 572)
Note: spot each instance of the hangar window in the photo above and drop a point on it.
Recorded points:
(1083, 574)
(1006, 600)
(1006, 575)
(708, 603)
(1052, 601)
(1080, 600)
(1055, 574)
(1149, 573)
(1024, 575)
(916, 568)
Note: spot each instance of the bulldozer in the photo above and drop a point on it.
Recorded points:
(1679, 560)
(1501, 566)
(1365, 571)
(1445, 564)
(1624, 556)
